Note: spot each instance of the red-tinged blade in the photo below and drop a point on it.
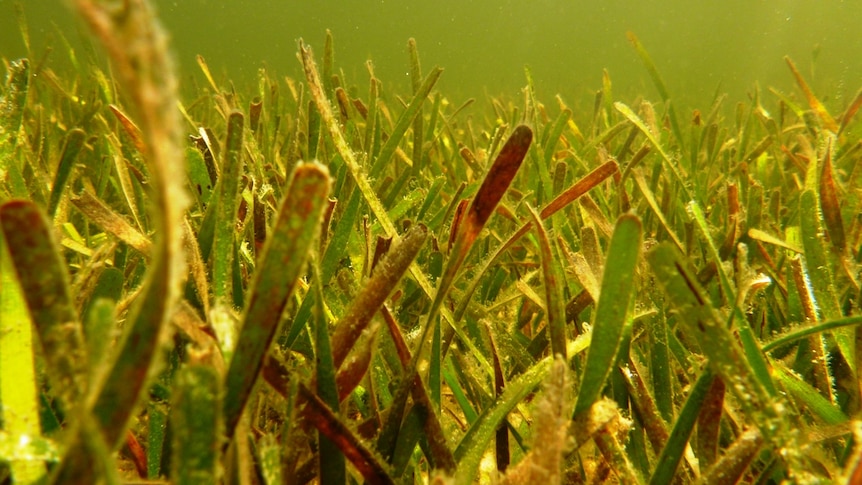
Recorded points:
(497, 180)
(460, 210)
(830, 205)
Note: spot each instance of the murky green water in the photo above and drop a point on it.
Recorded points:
(699, 46)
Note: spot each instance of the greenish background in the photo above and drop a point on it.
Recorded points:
(699, 46)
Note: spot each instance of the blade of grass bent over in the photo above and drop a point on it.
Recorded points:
(612, 310)
(278, 270)
(653, 204)
(131, 129)
(635, 120)
(820, 406)
(813, 102)
(202, 63)
(799, 333)
(851, 111)
(768, 238)
(109, 221)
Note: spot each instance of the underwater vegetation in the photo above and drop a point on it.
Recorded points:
(310, 283)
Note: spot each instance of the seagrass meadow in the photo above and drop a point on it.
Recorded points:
(308, 281)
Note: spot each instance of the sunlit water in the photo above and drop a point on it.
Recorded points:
(699, 47)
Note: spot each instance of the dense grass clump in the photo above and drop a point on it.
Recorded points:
(307, 282)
